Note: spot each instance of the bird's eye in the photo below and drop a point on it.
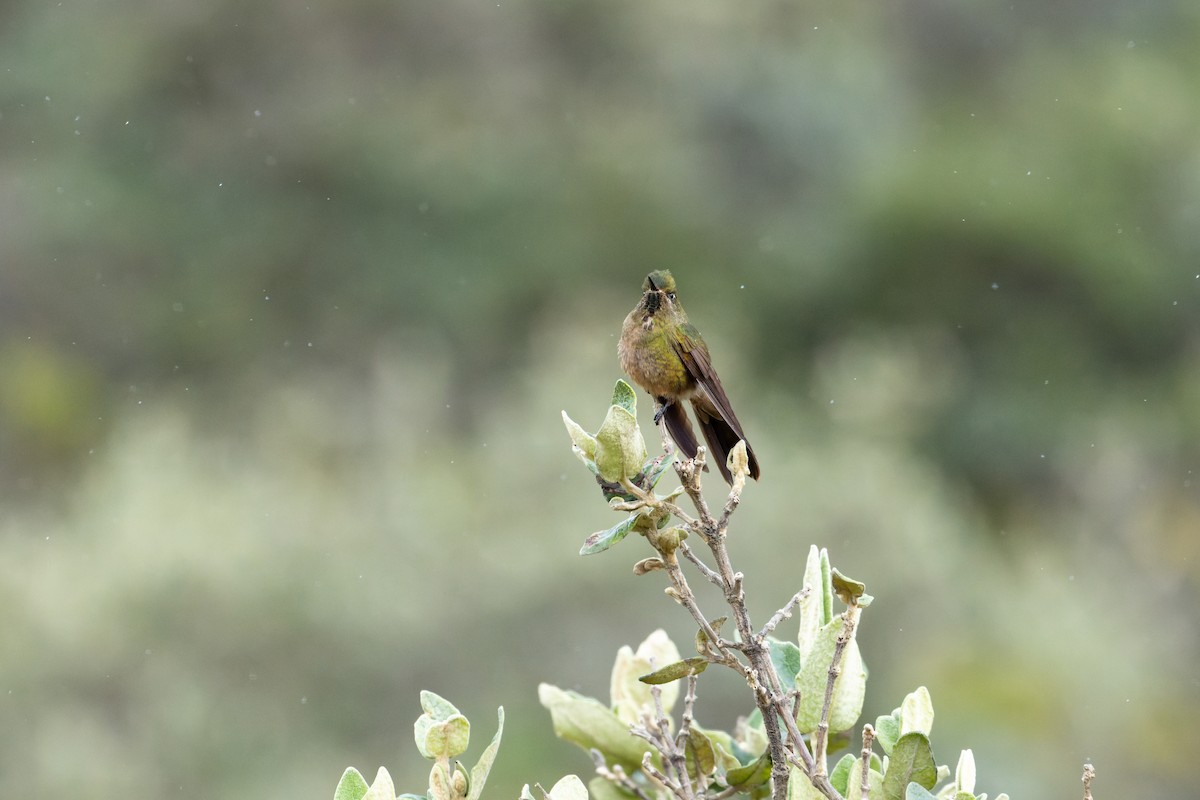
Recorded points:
(670, 295)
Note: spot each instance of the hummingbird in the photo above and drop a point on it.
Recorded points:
(664, 354)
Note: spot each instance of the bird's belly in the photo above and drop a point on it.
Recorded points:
(654, 365)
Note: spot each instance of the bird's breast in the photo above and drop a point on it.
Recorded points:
(648, 356)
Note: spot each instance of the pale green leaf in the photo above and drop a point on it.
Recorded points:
(814, 608)
(964, 773)
(624, 396)
(479, 773)
(352, 786)
(854, 782)
(588, 723)
(445, 738)
(439, 783)
(916, 712)
(581, 439)
(849, 689)
(800, 787)
(620, 448)
(630, 696)
(436, 706)
(600, 541)
(911, 762)
(847, 589)
(841, 773)
(887, 731)
(673, 672)
(602, 789)
(382, 787)
(568, 788)
(786, 658)
(756, 773)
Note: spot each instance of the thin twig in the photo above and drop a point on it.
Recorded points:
(683, 593)
(661, 779)
(1089, 772)
(783, 613)
(689, 713)
(617, 775)
(786, 745)
(667, 745)
(868, 737)
(751, 645)
(821, 737)
(683, 516)
(705, 569)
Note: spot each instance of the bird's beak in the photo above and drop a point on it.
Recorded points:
(653, 286)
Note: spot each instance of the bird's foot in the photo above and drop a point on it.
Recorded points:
(662, 409)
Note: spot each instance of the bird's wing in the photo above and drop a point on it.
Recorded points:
(694, 354)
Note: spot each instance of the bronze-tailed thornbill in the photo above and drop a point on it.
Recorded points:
(663, 353)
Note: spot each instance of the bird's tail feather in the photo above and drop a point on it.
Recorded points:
(680, 429)
(722, 438)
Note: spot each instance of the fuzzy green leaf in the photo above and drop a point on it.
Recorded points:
(382, 787)
(624, 396)
(701, 755)
(911, 762)
(629, 695)
(854, 781)
(848, 691)
(654, 469)
(887, 731)
(916, 712)
(568, 788)
(437, 707)
(815, 608)
(756, 773)
(916, 791)
(442, 738)
(479, 773)
(352, 786)
(603, 789)
(600, 541)
(584, 441)
(590, 724)
(964, 773)
(620, 448)
(841, 773)
(848, 590)
(441, 732)
(800, 787)
(673, 672)
(786, 658)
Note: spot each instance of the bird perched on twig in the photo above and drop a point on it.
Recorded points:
(664, 354)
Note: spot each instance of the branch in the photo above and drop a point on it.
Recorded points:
(1089, 772)
(617, 775)
(662, 780)
(762, 678)
(783, 613)
(821, 738)
(721, 653)
(705, 570)
(868, 736)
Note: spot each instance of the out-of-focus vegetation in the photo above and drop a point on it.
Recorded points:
(291, 295)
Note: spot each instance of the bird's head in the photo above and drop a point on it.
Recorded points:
(658, 292)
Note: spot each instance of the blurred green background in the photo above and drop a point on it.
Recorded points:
(292, 294)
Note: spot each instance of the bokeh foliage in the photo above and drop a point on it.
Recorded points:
(291, 295)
